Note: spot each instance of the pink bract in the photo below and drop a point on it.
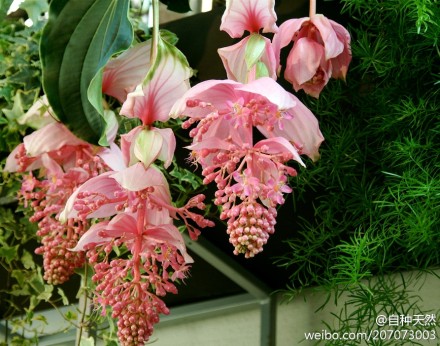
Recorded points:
(321, 50)
(152, 100)
(147, 145)
(275, 112)
(124, 73)
(234, 57)
(250, 15)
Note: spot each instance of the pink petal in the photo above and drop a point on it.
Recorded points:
(103, 184)
(250, 15)
(155, 217)
(333, 46)
(168, 234)
(77, 175)
(233, 61)
(302, 130)
(113, 157)
(52, 167)
(303, 61)
(121, 75)
(279, 145)
(133, 178)
(215, 93)
(165, 82)
(92, 238)
(286, 34)
(341, 62)
(137, 178)
(122, 226)
(50, 138)
(11, 162)
(210, 143)
(127, 145)
(271, 90)
(168, 145)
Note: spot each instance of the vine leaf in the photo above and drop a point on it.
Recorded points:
(180, 6)
(77, 41)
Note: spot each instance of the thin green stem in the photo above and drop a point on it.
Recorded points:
(155, 39)
(84, 307)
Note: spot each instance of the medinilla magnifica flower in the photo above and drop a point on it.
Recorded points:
(321, 50)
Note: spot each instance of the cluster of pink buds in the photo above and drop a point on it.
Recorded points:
(139, 202)
(66, 162)
(133, 304)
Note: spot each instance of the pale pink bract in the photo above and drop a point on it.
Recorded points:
(250, 15)
(321, 50)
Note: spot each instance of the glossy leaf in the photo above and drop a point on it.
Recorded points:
(78, 40)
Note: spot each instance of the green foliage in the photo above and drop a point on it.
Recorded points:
(374, 196)
(78, 40)
(19, 80)
(22, 285)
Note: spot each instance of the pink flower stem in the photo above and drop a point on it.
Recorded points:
(312, 8)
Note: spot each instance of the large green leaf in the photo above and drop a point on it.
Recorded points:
(78, 39)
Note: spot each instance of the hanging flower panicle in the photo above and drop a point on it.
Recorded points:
(134, 202)
(251, 178)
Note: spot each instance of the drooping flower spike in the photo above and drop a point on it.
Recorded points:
(139, 200)
(250, 177)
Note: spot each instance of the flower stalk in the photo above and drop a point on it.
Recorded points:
(155, 42)
(312, 8)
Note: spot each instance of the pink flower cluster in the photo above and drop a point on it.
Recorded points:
(251, 176)
(67, 162)
(122, 189)
(321, 46)
(245, 132)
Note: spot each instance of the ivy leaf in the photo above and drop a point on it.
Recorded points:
(27, 260)
(46, 294)
(77, 41)
(9, 253)
(184, 175)
(63, 296)
(180, 6)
